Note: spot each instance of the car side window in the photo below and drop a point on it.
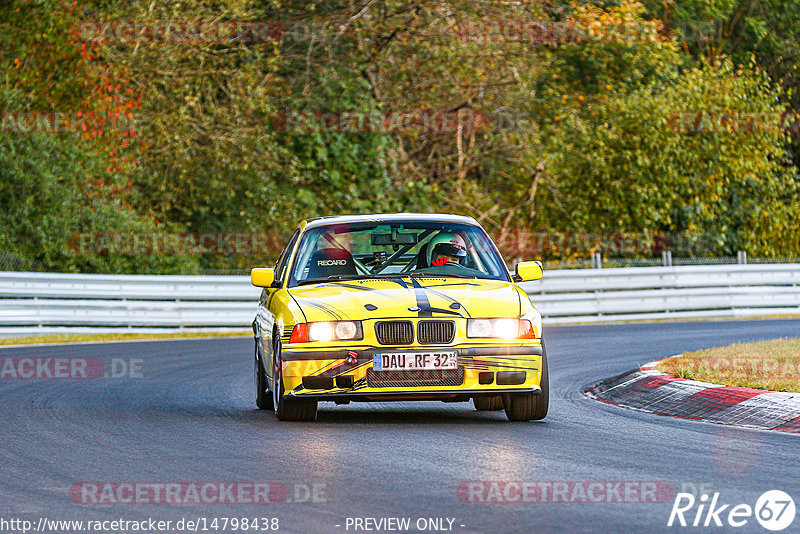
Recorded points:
(283, 259)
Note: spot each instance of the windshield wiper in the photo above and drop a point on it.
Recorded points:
(340, 277)
(442, 275)
(328, 279)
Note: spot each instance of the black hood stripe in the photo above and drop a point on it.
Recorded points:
(451, 299)
(423, 303)
(320, 306)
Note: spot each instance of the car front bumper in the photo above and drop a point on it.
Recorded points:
(345, 373)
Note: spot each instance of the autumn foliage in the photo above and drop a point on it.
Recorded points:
(536, 118)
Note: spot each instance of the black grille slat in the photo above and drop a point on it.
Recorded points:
(415, 378)
(395, 332)
(435, 332)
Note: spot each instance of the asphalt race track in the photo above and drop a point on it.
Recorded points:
(190, 417)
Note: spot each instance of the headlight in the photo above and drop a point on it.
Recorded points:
(345, 330)
(505, 328)
(335, 331)
(479, 328)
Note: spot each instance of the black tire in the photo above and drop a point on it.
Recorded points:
(543, 398)
(488, 404)
(527, 406)
(289, 409)
(263, 394)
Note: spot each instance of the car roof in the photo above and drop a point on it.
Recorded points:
(388, 217)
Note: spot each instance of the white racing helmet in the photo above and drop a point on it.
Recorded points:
(446, 244)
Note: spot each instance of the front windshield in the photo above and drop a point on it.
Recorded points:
(375, 249)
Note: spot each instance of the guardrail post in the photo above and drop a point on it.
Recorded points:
(38, 312)
(741, 257)
(666, 258)
(597, 260)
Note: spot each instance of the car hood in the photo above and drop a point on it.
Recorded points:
(406, 297)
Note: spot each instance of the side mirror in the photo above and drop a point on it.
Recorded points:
(262, 277)
(528, 271)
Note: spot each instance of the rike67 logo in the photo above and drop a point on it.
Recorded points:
(774, 510)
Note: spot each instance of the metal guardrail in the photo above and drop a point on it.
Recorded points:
(33, 303)
(683, 292)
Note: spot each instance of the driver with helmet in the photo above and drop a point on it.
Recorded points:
(446, 248)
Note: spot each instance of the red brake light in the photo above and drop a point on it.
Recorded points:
(299, 333)
(526, 330)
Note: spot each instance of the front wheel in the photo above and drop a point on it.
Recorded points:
(488, 404)
(288, 409)
(263, 394)
(527, 406)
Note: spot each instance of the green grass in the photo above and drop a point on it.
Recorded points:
(82, 338)
(772, 365)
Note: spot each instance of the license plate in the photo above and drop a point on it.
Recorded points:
(408, 361)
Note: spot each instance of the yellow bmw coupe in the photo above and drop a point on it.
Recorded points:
(397, 307)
